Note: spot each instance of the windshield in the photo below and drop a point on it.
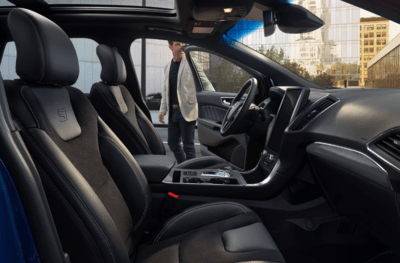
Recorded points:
(355, 48)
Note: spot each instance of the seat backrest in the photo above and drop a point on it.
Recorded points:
(117, 108)
(98, 194)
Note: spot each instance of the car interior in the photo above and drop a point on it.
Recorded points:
(291, 171)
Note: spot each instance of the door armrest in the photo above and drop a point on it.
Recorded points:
(213, 125)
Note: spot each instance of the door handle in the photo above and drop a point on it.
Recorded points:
(226, 103)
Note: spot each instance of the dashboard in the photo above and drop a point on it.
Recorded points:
(351, 140)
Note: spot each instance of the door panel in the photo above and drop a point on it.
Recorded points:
(213, 106)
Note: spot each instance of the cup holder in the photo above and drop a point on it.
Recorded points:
(223, 181)
(192, 180)
(197, 180)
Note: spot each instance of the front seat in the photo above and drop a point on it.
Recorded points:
(98, 195)
(117, 108)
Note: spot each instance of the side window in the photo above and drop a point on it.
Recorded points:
(158, 55)
(8, 62)
(89, 64)
(218, 74)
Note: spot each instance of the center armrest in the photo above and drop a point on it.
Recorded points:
(155, 167)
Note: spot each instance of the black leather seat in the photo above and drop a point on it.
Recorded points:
(117, 108)
(98, 195)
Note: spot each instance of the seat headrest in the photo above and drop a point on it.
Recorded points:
(113, 69)
(45, 54)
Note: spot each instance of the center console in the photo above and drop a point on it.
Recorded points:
(225, 176)
(265, 180)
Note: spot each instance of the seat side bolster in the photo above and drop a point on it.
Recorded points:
(153, 138)
(106, 106)
(127, 175)
(198, 216)
(78, 192)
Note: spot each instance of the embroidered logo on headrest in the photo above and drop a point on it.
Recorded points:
(63, 115)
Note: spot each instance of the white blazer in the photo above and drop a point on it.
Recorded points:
(186, 89)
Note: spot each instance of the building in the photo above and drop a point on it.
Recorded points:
(374, 36)
(384, 68)
(334, 48)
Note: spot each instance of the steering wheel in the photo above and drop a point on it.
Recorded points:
(234, 121)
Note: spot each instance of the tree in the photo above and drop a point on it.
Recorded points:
(298, 69)
(273, 53)
(325, 79)
(230, 78)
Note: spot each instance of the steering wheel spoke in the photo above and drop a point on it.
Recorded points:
(234, 121)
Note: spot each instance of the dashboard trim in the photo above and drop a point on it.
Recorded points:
(363, 154)
(271, 174)
(289, 128)
(376, 154)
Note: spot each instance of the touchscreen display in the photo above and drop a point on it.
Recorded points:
(283, 118)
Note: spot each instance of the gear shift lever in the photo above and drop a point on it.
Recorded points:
(219, 172)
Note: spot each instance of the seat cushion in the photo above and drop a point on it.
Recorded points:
(206, 233)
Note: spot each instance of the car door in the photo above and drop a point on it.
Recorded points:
(218, 79)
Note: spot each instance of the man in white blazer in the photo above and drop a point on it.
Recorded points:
(179, 98)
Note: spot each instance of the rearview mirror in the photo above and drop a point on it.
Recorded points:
(291, 19)
(269, 23)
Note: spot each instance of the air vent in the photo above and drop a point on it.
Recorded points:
(391, 145)
(326, 103)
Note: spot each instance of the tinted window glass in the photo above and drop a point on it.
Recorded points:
(218, 74)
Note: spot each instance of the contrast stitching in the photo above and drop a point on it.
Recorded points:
(29, 106)
(383, 253)
(140, 178)
(192, 210)
(73, 190)
(41, 41)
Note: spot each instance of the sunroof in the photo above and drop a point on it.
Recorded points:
(148, 3)
(5, 3)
